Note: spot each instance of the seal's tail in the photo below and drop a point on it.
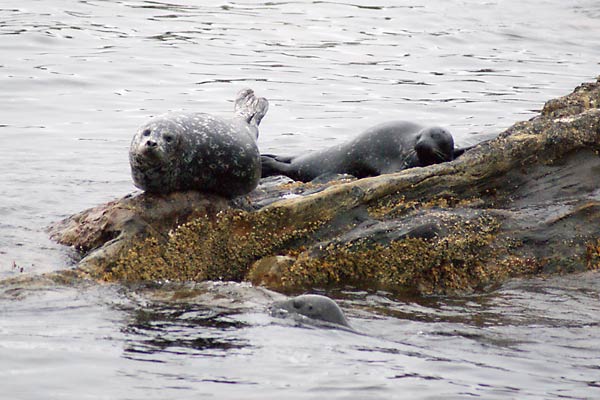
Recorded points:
(249, 107)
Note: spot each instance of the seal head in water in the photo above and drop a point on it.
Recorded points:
(313, 306)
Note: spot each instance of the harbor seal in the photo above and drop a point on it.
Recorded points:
(382, 149)
(198, 151)
(313, 306)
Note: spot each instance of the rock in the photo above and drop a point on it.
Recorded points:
(268, 270)
(102, 233)
(526, 202)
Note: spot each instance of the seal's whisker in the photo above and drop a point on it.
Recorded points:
(440, 154)
(409, 154)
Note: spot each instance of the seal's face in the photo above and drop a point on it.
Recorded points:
(434, 145)
(155, 144)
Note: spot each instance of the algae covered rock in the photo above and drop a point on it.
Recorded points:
(103, 233)
(524, 203)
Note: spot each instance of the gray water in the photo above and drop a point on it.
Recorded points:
(78, 77)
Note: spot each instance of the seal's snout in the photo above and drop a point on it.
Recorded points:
(297, 304)
(434, 145)
(423, 147)
(426, 150)
(151, 143)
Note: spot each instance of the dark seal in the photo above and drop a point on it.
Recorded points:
(197, 151)
(313, 306)
(382, 149)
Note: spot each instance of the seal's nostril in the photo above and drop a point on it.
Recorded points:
(151, 143)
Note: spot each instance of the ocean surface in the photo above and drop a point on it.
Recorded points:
(78, 77)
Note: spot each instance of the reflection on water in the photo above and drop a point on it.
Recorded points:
(177, 329)
(78, 77)
(528, 339)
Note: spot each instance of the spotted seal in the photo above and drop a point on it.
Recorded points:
(198, 151)
(314, 306)
(385, 148)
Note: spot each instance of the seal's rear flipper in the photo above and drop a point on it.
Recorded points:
(271, 166)
(283, 159)
(249, 107)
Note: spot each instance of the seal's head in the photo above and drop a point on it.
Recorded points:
(155, 143)
(313, 306)
(434, 145)
(155, 156)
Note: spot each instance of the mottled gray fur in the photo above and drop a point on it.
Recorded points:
(197, 151)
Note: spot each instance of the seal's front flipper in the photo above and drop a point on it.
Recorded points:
(250, 108)
(459, 151)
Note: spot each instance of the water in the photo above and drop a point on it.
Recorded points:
(78, 77)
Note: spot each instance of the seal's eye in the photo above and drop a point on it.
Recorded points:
(168, 138)
(146, 132)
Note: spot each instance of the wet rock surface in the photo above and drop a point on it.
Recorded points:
(527, 202)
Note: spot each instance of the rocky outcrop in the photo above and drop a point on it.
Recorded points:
(527, 202)
(102, 233)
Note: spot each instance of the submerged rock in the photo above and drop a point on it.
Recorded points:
(527, 202)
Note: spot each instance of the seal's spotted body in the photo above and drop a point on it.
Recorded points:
(197, 151)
